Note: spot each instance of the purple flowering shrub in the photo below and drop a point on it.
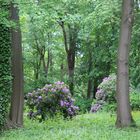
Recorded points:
(50, 100)
(105, 94)
(107, 89)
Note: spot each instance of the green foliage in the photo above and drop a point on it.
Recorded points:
(84, 127)
(135, 49)
(135, 100)
(84, 104)
(106, 96)
(5, 72)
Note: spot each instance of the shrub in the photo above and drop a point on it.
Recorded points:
(51, 100)
(105, 95)
(135, 100)
(107, 89)
(84, 104)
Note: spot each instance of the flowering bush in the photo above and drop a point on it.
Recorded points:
(107, 89)
(105, 94)
(50, 100)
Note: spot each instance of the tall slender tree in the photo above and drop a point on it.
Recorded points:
(70, 43)
(124, 117)
(17, 99)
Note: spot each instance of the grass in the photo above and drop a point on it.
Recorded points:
(98, 126)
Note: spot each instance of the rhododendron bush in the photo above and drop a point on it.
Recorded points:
(51, 100)
(105, 94)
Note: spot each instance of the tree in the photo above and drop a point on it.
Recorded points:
(70, 48)
(124, 117)
(17, 98)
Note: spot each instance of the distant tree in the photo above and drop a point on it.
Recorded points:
(124, 117)
(70, 41)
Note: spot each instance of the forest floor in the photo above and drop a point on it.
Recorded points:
(100, 126)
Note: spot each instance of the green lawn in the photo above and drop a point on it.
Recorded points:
(84, 127)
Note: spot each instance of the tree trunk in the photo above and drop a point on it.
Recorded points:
(95, 84)
(17, 99)
(51, 64)
(124, 118)
(90, 81)
(62, 71)
(46, 66)
(37, 66)
(71, 64)
(70, 47)
(89, 89)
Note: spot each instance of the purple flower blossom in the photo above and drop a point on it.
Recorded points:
(95, 107)
(48, 86)
(45, 89)
(105, 79)
(29, 94)
(39, 97)
(75, 107)
(59, 83)
(53, 90)
(70, 111)
(65, 90)
(100, 94)
(61, 103)
(65, 103)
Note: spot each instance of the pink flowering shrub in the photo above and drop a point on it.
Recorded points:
(50, 100)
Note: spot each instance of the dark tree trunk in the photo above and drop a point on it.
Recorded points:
(71, 64)
(124, 118)
(89, 90)
(17, 99)
(90, 80)
(70, 47)
(51, 64)
(95, 84)
(62, 71)
(37, 67)
(46, 66)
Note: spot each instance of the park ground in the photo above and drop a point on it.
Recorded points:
(99, 126)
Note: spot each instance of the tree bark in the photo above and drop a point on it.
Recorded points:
(95, 84)
(90, 79)
(37, 66)
(89, 89)
(70, 47)
(17, 98)
(124, 117)
(62, 71)
(71, 56)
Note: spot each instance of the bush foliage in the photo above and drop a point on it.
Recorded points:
(106, 96)
(51, 100)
